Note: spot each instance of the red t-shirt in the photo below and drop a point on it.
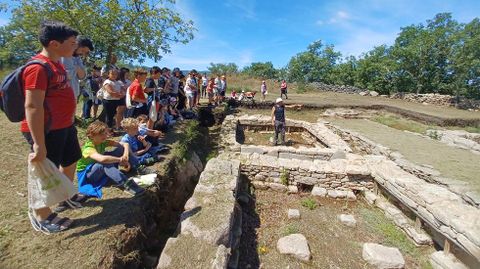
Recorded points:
(136, 91)
(59, 98)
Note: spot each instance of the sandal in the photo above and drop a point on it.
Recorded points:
(52, 224)
(72, 203)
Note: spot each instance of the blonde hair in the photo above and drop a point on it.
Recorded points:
(129, 123)
(96, 128)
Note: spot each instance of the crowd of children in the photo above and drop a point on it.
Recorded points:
(140, 107)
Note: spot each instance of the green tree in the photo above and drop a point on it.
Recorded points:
(315, 64)
(260, 70)
(346, 71)
(466, 61)
(374, 70)
(223, 69)
(133, 29)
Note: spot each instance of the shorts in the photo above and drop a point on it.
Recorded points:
(62, 146)
(122, 101)
(222, 93)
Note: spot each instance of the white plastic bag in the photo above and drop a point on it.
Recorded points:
(153, 113)
(128, 99)
(101, 93)
(47, 186)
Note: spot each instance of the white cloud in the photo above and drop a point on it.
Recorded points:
(338, 18)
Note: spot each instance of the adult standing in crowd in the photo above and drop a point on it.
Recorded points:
(204, 85)
(74, 65)
(48, 124)
(283, 89)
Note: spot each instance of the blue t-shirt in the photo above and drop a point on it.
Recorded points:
(135, 144)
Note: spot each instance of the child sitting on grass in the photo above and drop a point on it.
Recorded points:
(97, 166)
(144, 151)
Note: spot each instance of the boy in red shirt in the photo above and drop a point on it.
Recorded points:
(49, 112)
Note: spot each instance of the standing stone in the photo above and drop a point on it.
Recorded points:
(293, 214)
(347, 220)
(296, 245)
(382, 257)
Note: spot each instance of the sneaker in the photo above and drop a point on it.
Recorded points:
(132, 188)
(143, 170)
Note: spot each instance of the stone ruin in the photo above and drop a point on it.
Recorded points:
(346, 166)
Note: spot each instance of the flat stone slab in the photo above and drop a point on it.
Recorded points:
(382, 257)
(293, 214)
(296, 245)
(440, 260)
(348, 220)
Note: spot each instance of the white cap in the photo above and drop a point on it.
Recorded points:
(278, 100)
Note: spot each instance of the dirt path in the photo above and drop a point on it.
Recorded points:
(451, 162)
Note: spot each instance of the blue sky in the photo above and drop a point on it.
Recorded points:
(245, 31)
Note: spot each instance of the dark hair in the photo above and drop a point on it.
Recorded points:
(55, 30)
(155, 70)
(165, 69)
(122, 73)
(95, 68)
(85, 42)
(139, 71)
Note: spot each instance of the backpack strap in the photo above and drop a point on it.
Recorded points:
(49, 78)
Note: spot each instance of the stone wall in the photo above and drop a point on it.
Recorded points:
(427, 98)
(344, 175)
(210, 228)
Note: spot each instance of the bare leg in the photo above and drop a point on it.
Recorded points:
(69, 171)
(119, 115)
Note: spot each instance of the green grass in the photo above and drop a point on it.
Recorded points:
(309, 203)
(188, 137)
(402, 123)
(393, 236)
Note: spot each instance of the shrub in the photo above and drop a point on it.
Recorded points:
(309, 203)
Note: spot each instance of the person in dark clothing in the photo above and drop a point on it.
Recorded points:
(279, 120)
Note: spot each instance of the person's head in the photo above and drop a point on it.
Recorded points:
(113, 74)
(113, 59)
(223, 77)
(84, 47)
(176, 72)
(279, 102)
(142, 118)
(96, 71)
(97, 131)
(165, 71)
(58, 38)
(212, 79)
(155, 72)
(283, 81)
(130, 125)
(263, 82)
(140, 74)
(193, 73)
(124, 73)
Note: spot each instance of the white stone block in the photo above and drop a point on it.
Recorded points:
(318, 191)
(296, 245)
(293, 214)
(382, 257)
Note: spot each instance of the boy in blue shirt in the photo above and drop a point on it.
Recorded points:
(145, 152)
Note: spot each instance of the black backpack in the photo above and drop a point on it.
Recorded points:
(12, 97)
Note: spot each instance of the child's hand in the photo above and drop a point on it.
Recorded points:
(147, 147)
(158, 134)
(141, 138)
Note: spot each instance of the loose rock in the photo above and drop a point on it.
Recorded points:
(347, 220)
(382, 257)
(293, 214)
(296, 245)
